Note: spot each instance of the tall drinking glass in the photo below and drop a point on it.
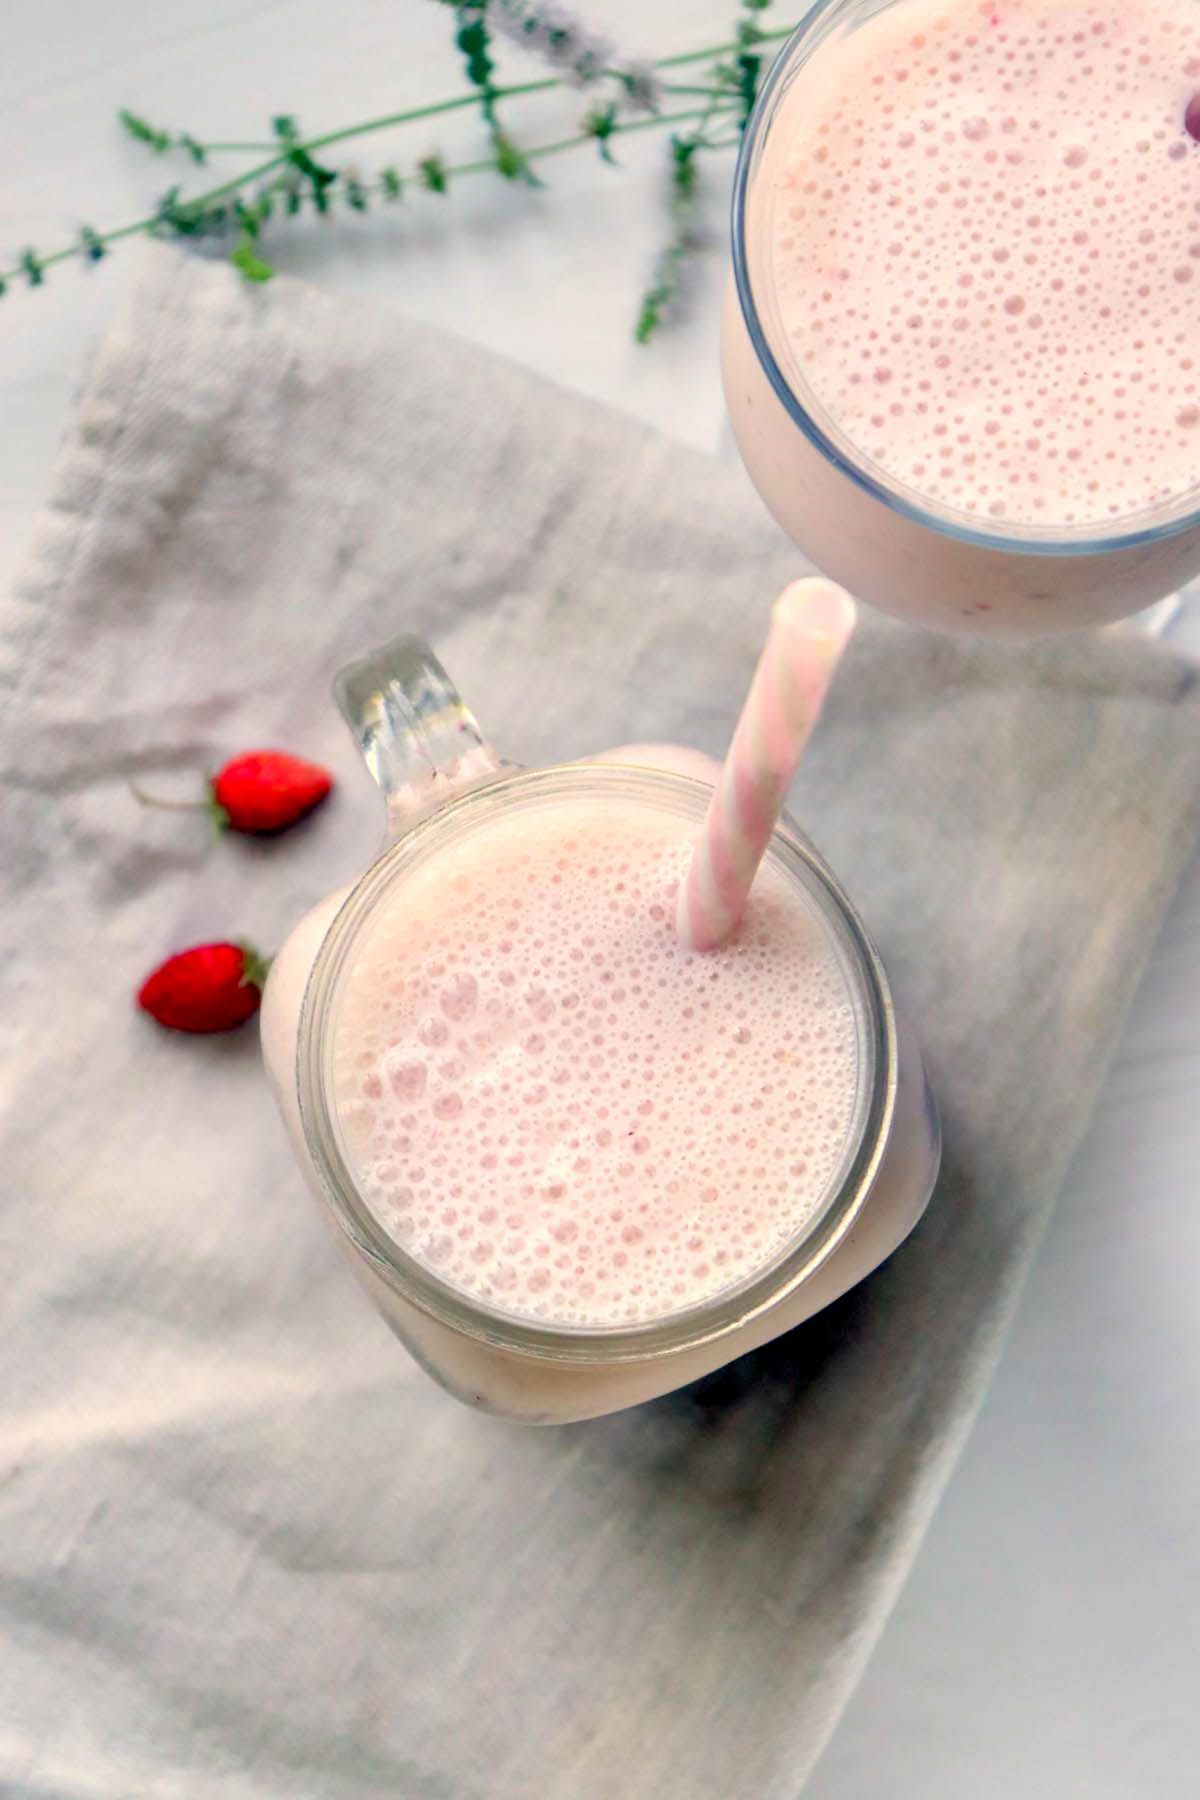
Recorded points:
(961, 339)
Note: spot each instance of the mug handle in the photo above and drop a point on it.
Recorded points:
(415, 732)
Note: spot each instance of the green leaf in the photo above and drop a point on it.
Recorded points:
(143, 132)
(512, 162)
(284, 126)
(650, 314)
(32, 265)
(90, 246)
(255, 966)
(188, 218)
(749, 69)
(252, 266)
(247, 218)
(356, 194)
(683, 166)
(391, 184)
(600, 124)
(318, 177)
(300, 159)
(195, 150)
(473, 40)
(432, 173)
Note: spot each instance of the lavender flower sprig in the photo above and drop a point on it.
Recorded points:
(295, 176)
(735, 80)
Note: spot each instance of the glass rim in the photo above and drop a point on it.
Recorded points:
(1014, 540)
(707, 1320)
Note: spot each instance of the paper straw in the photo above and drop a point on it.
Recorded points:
(811, 623)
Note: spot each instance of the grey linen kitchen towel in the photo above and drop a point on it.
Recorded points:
(247, 1549)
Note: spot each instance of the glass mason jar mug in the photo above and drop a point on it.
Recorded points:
(891, 543)
(449, 795)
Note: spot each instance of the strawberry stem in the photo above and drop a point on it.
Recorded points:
(216, 812)
(161, 805)
(255, 967)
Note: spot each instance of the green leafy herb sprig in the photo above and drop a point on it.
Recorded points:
(704, 97)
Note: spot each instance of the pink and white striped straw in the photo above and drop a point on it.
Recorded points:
(811, 623)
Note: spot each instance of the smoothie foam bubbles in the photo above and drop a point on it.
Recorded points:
(561, 1111)
(985, 252)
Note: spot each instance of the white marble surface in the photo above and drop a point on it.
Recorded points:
(1048, 1640)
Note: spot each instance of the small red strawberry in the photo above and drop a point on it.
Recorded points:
(266, 790)
(262, 791)
(212, 987)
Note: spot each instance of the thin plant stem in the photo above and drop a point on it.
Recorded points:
(410, 115)
(573, 143)
(344, 132)
(691, 56)
(468, 168)
(683, 87)
(160, 805)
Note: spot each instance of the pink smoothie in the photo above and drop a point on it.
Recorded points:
(985, 251)
(560, 1111)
